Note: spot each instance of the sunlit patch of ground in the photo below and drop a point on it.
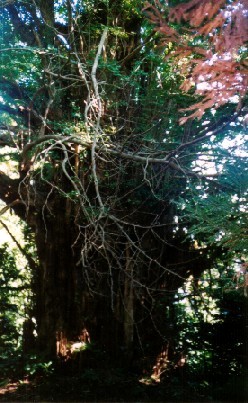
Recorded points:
(11, 387)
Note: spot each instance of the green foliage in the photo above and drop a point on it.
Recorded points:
(219, 218)
(9, 291)
(14, 290)
(210, 316)
(36, 365)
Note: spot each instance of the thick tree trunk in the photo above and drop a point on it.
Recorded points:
(66, 306)
(128, 304)
(58, 310)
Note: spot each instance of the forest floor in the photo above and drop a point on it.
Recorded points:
(109, 388)
(120, 389)
(111, 384)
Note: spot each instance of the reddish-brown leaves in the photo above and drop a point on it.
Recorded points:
(196, 12)
(216, 70)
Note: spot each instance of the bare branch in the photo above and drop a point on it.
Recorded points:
(169, 160)
(99, 105)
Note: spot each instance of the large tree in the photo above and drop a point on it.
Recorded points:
(90, 106)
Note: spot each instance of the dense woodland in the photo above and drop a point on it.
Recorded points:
(123, 163)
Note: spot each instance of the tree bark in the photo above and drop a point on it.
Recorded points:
(58, 303)
(128, 303)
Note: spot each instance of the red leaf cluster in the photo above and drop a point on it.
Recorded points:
(209, 42)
